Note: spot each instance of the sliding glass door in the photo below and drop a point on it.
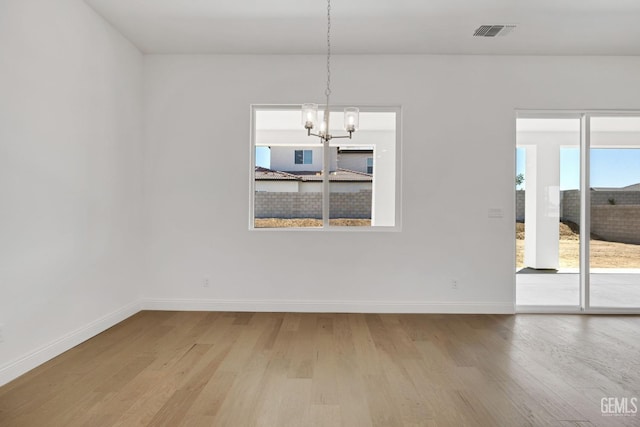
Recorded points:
(578, 212)
(548, 209)
(614, 205)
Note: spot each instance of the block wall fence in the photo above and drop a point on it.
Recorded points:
(615, 215)
(309, 205)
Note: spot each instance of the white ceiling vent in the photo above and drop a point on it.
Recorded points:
(494, 30)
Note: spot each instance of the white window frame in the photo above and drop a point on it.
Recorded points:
(397, 227)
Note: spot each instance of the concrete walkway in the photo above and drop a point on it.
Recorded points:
(609, 288)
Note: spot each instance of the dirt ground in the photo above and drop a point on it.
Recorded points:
(603, 254)
(308, 222)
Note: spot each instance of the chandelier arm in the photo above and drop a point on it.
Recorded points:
(342, 136)
(327, 138)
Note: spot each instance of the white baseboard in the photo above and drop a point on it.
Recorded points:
(328, 306)
(20, 366)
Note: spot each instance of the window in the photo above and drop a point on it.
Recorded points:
(303, 157)
(292, 186)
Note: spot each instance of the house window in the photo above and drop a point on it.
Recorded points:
(293, 186)
(303, 157)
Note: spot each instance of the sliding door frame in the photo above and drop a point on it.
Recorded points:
(585, 117)
(585, 212)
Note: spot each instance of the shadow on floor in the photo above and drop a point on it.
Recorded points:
(529, 270)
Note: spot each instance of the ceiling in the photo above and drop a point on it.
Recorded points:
(545, 27)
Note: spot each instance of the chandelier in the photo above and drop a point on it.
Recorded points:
(310, 111)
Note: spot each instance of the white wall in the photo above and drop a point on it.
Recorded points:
(70, 179)
(458, 162)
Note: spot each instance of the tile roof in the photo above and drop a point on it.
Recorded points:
(265, 174)
(340, 175)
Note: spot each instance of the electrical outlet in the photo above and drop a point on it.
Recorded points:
(206, 282)
(454, 284)
(1, 334)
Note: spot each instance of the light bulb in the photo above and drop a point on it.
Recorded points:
(309, 115)
(351, 119)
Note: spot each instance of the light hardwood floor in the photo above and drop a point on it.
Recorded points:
(288, 369)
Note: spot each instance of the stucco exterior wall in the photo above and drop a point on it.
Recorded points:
(354, 161)
(283, 159)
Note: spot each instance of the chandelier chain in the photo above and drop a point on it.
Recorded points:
(310, 111)
(327, 92)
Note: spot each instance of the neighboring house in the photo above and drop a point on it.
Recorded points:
(300, 170)
(342, 181)
(293, 159)
(360, 160)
